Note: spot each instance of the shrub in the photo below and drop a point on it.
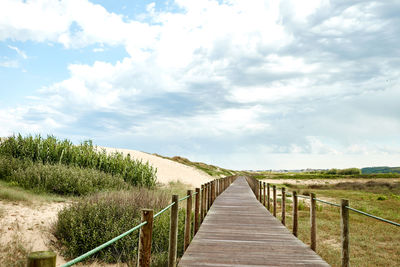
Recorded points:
(59, 179)
(101, 217)
(85, 155)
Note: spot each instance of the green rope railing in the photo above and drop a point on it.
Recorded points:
(115, 239)
(355, 210)
(91, 252)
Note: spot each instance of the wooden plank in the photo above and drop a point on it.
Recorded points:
(239, 231)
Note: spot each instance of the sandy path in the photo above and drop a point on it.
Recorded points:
(31, 223)
(168, 170)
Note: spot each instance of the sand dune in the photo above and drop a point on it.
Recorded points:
(168, 170)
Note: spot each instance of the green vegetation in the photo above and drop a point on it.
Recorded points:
(14, 253)
(372, 243)
(98, 218)
(209, 169)
(58, 178)
(53, 151)
(384, 169)
(330, 174)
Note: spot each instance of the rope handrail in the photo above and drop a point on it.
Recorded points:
(181, 199)
(163, 210)
(373, 216)
(91, 252)
(353, 209)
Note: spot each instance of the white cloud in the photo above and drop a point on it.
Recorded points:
(19, 52)
(289, 74)
(9, 64)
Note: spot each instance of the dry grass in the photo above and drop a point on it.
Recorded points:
(372, 242)
(14, 253)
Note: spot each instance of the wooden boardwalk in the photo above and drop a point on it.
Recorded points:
(239, 231)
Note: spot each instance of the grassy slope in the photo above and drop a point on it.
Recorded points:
(209, 169)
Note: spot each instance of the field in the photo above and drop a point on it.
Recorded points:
(372, 242)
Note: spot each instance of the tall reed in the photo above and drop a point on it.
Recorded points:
(50, 150)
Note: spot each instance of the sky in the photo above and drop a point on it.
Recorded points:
(253, 85)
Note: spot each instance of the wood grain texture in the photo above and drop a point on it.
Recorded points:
(239, 231)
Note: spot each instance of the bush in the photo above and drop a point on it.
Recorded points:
(99, 218)
(85, 155)
(59, 179)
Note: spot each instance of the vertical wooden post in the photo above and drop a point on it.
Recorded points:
(264, 193)
(274, 195)
(260, 188)
(313, 222)
(212, 192)
(255, 189)
(268, 197)
(283, 220)
(42, 259)
(173, 232)
(295, 216)
(208, 195)
(196, 211)
(344, 223)
(144, 253)
(188, 219)
(202, 207)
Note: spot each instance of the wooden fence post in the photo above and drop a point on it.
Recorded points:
(264, 190)
(283, 220)
(344, 223)
(42, 259)
(212, 192)
(260, 188)
(268, 197)
(203, 200)
(274, 195)
(173, 232)
(295, 216)
(313, 222)
(196, 211)
(145, 234)
(188, 219)
(208, 195)
(256, 190)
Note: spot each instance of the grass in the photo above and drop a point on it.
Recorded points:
(372, 242)
(317, 175)
(207, 168)
(52, 151)
(14, 253)
(11, 192)
(58, 178)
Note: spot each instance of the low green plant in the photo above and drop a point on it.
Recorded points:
(98, 218)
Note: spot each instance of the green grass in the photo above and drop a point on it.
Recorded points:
(207, 168)
(316, 175)
(14, 193)
(58, 178)
(52, 151)
(372, 242)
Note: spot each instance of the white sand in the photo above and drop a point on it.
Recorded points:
(168, 170)
(31, 223)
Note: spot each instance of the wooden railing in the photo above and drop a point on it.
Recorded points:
(262, 193)
(204, 197)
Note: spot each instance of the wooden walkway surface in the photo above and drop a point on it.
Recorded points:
(239, 231)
